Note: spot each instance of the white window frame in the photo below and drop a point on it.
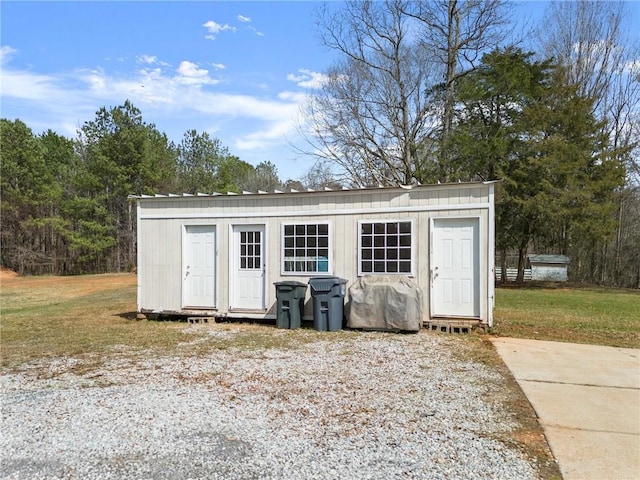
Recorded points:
(283, 258)
(413, 245)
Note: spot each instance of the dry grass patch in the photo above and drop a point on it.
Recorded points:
(92, 318)
(88, 316)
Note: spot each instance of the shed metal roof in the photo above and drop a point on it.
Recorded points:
(538, 258)
(292, 191)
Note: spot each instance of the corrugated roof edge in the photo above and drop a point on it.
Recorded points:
(296, 192)
(544, 258)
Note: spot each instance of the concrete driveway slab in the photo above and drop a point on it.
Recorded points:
(603, 409)
(587, 399)
(586, 454)
(571, 362)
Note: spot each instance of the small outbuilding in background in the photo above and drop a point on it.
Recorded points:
(548, 267)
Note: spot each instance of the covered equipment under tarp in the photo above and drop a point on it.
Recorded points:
(391, 303)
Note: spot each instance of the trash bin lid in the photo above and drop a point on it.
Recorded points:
(290, 283)
(325, 284)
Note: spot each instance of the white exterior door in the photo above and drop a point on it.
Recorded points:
(199, 266)
(247, 267)
(455, 268)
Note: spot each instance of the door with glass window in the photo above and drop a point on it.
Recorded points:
(247, 268)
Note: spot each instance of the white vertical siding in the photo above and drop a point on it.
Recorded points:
(161, 264)
(161, 222)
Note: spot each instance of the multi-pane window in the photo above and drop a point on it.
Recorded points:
(306, 248)
(385, 247)
(250, 250)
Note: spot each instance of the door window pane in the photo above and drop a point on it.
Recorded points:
(250, 251)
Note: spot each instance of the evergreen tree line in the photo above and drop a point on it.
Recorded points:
(65, 207)
(566, 188)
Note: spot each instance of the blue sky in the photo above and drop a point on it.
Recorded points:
(237, 70)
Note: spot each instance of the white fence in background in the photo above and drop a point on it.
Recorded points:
(512, 273)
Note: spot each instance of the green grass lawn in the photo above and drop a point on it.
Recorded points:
(579, 315)
(48, 317)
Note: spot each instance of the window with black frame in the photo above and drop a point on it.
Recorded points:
(305, 248)
(385, 247)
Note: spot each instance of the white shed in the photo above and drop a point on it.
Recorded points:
(548, 267)
(220, 255)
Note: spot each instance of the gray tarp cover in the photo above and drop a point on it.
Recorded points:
(380, 302)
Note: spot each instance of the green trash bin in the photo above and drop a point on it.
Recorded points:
(328, 302)
(290, 303)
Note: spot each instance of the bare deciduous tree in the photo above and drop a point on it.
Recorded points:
(376, 107)
(386, 109)
(456, 33)
(590, 39)
(584, 36)
(321, 176)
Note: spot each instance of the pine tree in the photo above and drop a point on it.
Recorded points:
(520, 122)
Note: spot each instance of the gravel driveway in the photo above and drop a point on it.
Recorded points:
(349, 405)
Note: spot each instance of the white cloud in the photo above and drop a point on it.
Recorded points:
(308, 78)
(96, 80)
(218, 66)
(215, 28)
(147, 88)
(28, 86)
(632, 67)
(64, 101)
(150, 59)
(190, 73)
(275, 133)
(292, 96)
(238, 106)
(6, 53)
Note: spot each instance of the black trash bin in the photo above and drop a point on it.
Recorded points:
(290, 303)
(328, 302)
